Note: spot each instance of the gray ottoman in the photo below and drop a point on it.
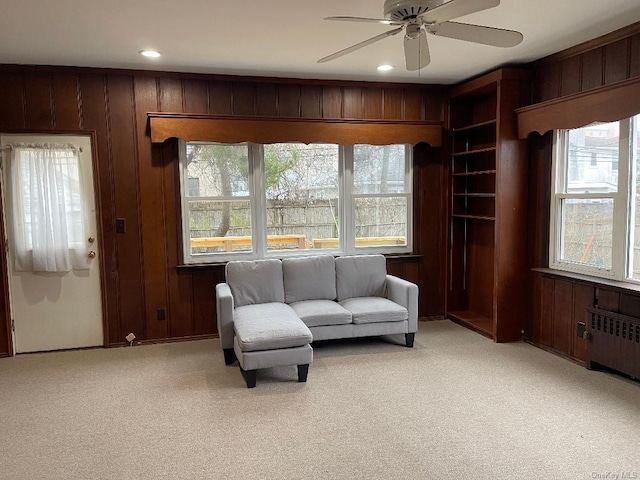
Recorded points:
(270, 335)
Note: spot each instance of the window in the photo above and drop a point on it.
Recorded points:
(594, 200)
(45, 187)
(255, 201)
(302, 196)
(222, 202)
(381, 195)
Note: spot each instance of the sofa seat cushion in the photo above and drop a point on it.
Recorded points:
(374, 310)
(315, 313)
(269, 326)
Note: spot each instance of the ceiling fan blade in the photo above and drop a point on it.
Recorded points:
(496, 37)
(365, 20)
(358, 46)
(416, 52)
(456, 8)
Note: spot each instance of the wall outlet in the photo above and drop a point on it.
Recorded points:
(130, 338)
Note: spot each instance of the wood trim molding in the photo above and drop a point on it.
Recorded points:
(191, 127)
(487, 81)
(603, 104)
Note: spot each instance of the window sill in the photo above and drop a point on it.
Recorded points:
(410, 257)
(200, 267)
(597, 281)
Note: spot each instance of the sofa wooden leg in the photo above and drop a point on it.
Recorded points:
(409, 337)
(229, 356)
(249, 377)
(303, 371)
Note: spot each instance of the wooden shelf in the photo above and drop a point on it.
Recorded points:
(478, 172)
(473, 320)
(475, 151)
(475, 125)
(478, 195)
(474, 217)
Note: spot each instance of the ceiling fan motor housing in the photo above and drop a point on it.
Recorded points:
(407, 10)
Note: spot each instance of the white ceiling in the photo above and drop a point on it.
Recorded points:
(283, 38)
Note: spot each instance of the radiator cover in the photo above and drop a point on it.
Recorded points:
(614, 341)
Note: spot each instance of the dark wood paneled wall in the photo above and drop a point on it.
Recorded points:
(137, 181)
(600, 62)
(557, 303)
(560, 305)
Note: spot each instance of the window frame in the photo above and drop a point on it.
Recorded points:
(622, 207)
(258, 203)
(351, 248)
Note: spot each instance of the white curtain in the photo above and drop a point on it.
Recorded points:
(47, 208)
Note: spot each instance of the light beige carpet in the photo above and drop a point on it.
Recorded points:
(455, 406)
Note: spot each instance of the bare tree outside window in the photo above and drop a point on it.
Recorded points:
(302, 194)
(297, 204)
(222, 206)
(381, 196)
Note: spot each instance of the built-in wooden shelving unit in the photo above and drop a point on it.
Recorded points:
(487, 211)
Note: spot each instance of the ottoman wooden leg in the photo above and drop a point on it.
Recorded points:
(303, 371)
(229, 356)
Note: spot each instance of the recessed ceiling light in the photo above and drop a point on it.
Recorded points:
(149, 53)
(384, 68)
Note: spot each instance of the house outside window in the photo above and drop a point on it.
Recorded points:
(194, 187)
(595, 219)
(275, 200)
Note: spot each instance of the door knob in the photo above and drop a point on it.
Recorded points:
(91, 239)
(91, 254)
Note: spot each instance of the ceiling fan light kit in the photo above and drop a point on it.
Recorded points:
(150, 53)
(416, 18)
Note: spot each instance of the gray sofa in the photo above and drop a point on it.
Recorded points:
(269, 311)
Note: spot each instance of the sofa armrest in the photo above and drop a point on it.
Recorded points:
(404, 293)
(224, 312)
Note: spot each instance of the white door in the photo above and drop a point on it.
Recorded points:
(56, 310)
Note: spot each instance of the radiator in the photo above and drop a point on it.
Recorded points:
(613, 341)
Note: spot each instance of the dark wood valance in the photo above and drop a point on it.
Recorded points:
(274, 130)
(603, 104)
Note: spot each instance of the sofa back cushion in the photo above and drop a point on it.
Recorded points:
(361, 276)
(257, 281)
(309, 278)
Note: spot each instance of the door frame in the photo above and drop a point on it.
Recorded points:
(4, 266)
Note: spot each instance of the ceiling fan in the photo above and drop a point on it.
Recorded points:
(416, 18)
